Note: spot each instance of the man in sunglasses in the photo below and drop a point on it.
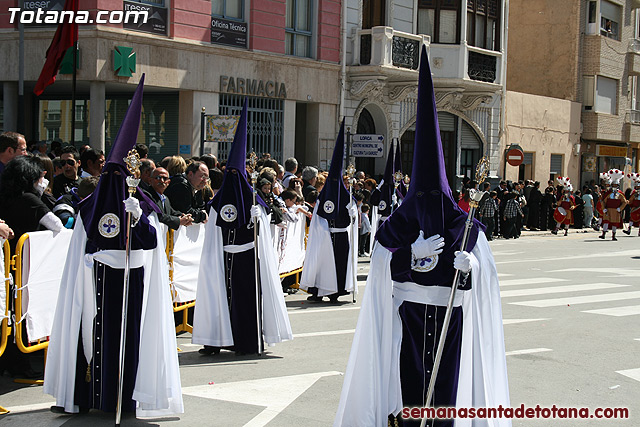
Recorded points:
(68, 179)
(169, 216)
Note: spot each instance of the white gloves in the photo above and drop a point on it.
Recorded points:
(604, 210)
(423, 248)
(132, 205)
(353, 211)
(462, 261)
(618, 209)
(255, 211)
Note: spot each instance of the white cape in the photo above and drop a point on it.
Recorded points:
(375, 223)
(319, 269)
(211, 322)
(157, 388)
(372, 390)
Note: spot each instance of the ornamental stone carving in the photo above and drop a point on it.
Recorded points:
(366, 88)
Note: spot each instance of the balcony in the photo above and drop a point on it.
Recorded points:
(633, 126)
(385, 47)
(633, 55)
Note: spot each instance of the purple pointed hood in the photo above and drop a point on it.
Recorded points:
(429, 205)
(334, 197)
(234, 199)
(107, 199)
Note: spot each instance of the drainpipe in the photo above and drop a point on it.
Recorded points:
(503, 101)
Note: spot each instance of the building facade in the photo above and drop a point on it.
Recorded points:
(466, 44)
(585, 51)
(282, 55)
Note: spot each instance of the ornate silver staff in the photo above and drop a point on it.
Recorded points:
(397, 178)
(133, 165)
(253, 161)
(482, 170)
(350, 171)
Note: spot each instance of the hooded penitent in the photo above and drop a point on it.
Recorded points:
(334, 197)
(429, 205)
(381, 197)
(234, 199)
(102, 210)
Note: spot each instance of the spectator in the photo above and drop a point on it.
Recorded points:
(47, 166)
(169, 216)
(216, 176)
(587, 198)
(512, 210)
(290, 169)
(185, 191)
(147, 167)
(365, 230)
(487, 214)
(66, 207)
(56, 149)
(264, 190)
(12, 145)
(547, 207)
(6, 232)
(309, 178)
(175, 166)
(359, 176)
(370, 184)
(92, 161)
(62, 184)
(321, 180)
(209, 160)
(578, 211)
(143, 150)
(296, 185)
(20, 203)
(57, 167)
(534, 201)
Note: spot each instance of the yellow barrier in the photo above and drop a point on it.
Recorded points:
(5, 322)
(21, 340)
(183, 307)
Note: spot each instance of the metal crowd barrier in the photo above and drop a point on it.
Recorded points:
(4, 325)
(22, 341)
(178, 307)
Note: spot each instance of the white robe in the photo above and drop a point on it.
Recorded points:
(212, 322)
(319, 269)
(372, 388)
(157, 388)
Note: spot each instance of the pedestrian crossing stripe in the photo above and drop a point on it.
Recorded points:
(579, 299)
(629, 310)
(527, 351)
(634, 374)
(532, 281)
(558, 289)
(516, 321)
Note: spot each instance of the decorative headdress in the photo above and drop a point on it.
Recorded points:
(604, 176)
(565, 182)
(616, 175)
(635, 177)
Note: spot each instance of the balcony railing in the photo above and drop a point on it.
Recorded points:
(482, 65)
(633, 116)
(386, 47)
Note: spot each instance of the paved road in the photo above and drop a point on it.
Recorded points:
(571, 308)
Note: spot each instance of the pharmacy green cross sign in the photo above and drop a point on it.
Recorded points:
(124, 61)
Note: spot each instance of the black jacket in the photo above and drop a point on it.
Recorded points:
(184, 200)
(168, 215)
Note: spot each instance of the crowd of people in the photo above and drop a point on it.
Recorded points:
(512, 207)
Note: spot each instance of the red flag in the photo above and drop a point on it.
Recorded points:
(65, 37)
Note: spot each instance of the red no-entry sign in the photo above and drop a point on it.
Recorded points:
(515, 157)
